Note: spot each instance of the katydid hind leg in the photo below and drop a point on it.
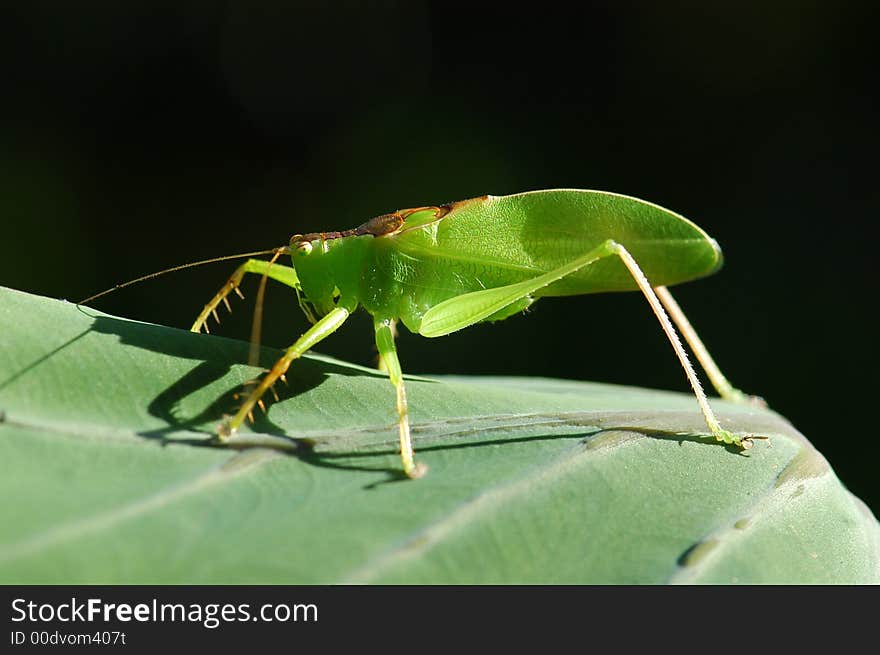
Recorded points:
(457, 313)
(388, 354)
(722, 385)
(725, 436)
(495, 303)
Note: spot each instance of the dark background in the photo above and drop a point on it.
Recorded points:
(139, 135)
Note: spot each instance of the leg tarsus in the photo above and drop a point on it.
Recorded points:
(745, 441)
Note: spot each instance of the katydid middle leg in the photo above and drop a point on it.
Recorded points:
(388, 354)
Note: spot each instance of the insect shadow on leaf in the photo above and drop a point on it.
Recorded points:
(218, 358)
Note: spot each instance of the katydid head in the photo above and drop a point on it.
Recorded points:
(329, 269)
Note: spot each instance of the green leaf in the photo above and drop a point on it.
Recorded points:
(109, 474)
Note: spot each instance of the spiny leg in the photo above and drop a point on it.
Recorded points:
(284, 274)
(714, 426)
(388, 353)
(257, 320)
(716, 377)
(318, 332)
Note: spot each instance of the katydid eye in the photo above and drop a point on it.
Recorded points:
(304, 247)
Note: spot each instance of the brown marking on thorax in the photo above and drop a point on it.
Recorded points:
(377, 226)
(448, 207)
(384, 224)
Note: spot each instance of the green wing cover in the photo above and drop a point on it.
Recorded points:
(496, 241)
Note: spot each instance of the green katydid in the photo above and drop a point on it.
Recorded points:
(439, 269)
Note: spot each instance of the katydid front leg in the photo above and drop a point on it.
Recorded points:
(284, 274)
